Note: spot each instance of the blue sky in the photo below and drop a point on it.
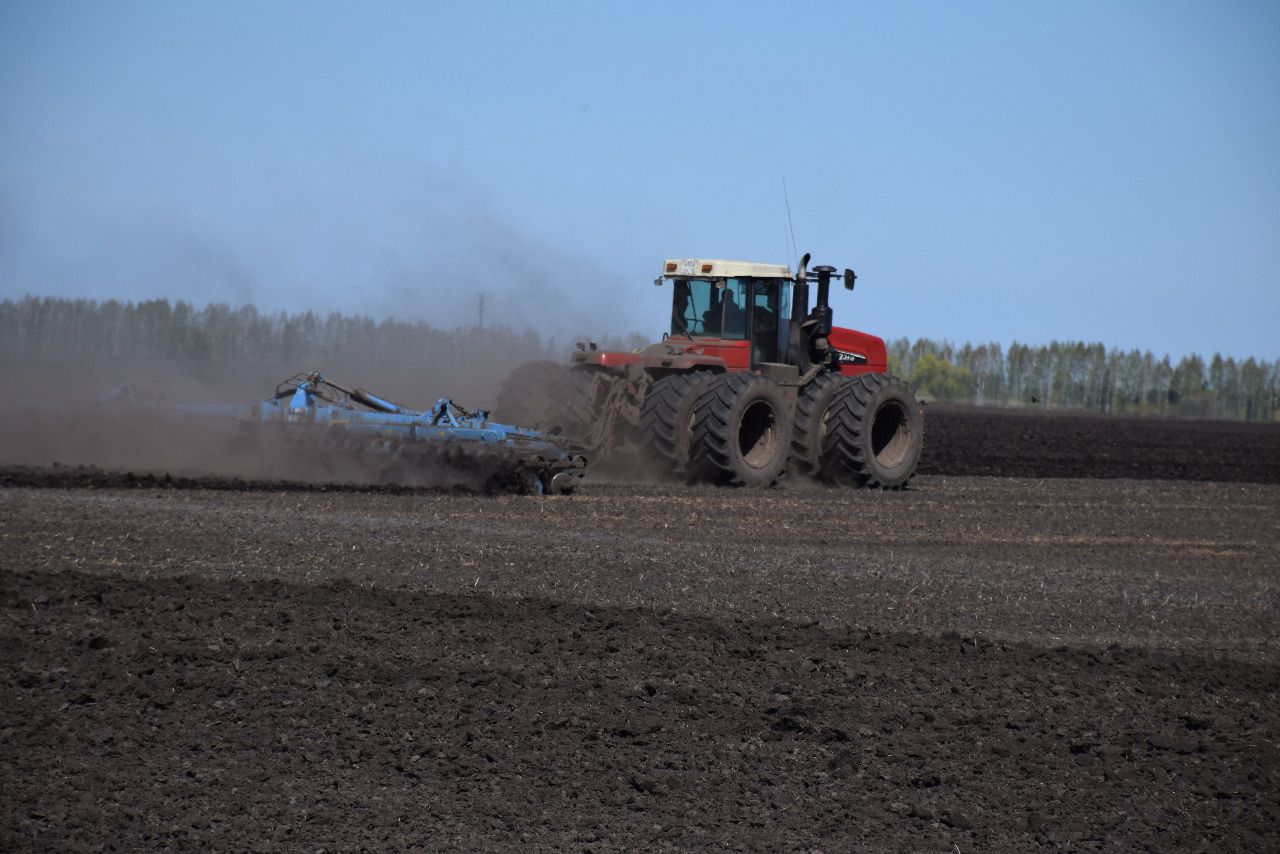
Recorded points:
(993, 171)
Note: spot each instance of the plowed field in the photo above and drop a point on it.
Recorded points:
(979, 663)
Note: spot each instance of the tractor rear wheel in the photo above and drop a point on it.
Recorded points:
(528, 394)
(666, 419)
(875, 433)
(572, 410)
(742, 431)
(555, 399)
(812, 416)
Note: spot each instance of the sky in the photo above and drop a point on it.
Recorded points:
(1097, 171)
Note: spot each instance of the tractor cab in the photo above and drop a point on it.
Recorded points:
(743, 316)
(737, 305)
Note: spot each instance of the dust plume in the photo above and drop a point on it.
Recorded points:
(424, 249)
(54, 417)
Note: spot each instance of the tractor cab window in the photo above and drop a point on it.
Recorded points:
(735, 308)
(691, 311)
(770, 309)
(733, 299)
(764, 306)
(712, 308)
(771, 302)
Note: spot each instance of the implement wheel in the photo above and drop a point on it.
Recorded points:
(741, 431)
(666, 419)
(875, 432)
(813, 411)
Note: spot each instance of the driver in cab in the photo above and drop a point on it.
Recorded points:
(735, 318)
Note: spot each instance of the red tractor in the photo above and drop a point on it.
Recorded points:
(748, 384)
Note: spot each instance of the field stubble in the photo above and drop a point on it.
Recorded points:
(979, 663)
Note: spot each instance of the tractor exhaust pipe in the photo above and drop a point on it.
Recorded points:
(797, 347)
(800, 299)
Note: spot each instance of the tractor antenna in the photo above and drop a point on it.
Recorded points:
(790, 226)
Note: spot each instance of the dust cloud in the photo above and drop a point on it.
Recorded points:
(428, 250)
(455, 263)
(54, 417)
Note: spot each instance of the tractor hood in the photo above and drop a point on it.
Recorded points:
(858, 349)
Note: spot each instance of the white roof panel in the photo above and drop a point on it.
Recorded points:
(718, 267)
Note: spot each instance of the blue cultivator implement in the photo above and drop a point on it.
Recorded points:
(354, 420)
(546, 466)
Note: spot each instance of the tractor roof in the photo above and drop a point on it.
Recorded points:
(718, 267)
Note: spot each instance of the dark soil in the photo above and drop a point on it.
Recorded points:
(96, 449)
(266, 715)
(975, 664)
(1016, 443)
(499, 477)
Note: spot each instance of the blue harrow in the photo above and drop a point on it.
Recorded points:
(358, 420)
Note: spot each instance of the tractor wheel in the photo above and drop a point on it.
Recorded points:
(875, 433)
(812, 417)
(528, 394)
(666, 419)
(571, 411)
(741, 431)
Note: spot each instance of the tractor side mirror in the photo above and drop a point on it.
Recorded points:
(849, 278)
(658, 282)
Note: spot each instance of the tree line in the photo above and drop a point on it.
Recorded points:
(1091, 377)
(1061, 375)
(219, 333)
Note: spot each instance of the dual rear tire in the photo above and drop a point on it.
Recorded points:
(550, 397)
(667, 420)
(530, 395)
(863, 431)
(739, 428)
(741, 431)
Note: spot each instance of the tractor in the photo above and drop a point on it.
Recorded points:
(750, 383)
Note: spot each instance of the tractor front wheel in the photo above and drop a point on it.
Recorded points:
(742, 431)
(875, 433)
(813, 411)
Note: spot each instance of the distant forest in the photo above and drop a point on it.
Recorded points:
(1076, 375)
(1061, 375)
